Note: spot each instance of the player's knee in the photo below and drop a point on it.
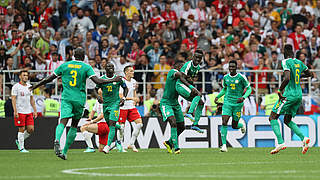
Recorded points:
(30, 130)
(234, 124)
(287, 121)
(201, 103)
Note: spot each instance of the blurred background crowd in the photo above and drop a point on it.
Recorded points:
(153, 34)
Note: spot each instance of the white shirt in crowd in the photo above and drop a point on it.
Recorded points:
(99, 109)
(131, 85)
(23, 96)
(90, 83)
(118, 67)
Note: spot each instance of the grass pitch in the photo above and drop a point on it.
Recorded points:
(237, 163)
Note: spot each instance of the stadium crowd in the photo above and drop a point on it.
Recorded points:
(152, 35)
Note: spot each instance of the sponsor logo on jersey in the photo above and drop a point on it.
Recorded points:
(237, 81)
(114, 83)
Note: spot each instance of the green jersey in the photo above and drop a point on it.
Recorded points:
(296, 67)
(74, 75)
(235, 86)
(170, 95)
(190, 70)
(110, 91)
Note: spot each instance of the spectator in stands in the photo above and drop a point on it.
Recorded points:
(252, 57)
(262, 77)
(160, 77)
(64, 30)
(154, 54)
(14, 51)
(91, 47)
(205, 37)
(81, 24)
(247, 20)
(90, 84)
(10, 77)
(105, 48)
(129, 10)
(135, 53)
(191, 42)
(129, 33)
(297, 37)
(3, 57)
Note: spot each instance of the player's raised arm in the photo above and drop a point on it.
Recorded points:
(44, 81)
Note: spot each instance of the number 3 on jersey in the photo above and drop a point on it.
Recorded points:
(74, 76)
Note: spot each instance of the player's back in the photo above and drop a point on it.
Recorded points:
(170, 95)
(296, 67)
(74, 75)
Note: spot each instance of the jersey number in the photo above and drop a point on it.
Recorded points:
(109, 88)
(297, 76)
(74, 76)
(233, 86)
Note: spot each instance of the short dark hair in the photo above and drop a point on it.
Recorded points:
(79, 54)
(288, 51)
(22, 71)
(233, 61)
(48, 91)
(126, 68)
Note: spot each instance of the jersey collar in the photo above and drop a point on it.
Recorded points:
(111, 77)
(233, 76)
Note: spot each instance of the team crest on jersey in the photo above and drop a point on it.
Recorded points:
(114, 83)
(237, 81)
(168, 113)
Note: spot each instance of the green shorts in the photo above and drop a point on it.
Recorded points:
(287, 106)
(171, 110)
(233, 111)
(184, 91)
(111, 112)
(71, 109)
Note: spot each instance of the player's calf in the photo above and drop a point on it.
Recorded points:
(305, 147)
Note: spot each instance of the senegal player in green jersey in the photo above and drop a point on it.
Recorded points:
(191, 69)
(290, 98)
(234, 85)
(170, 107)
(74, 75)
(112, 102)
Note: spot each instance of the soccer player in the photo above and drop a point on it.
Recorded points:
(112, 102)
(23, 117)
(101, 128)
(290, 98)
(129, 111)
(191, 69)
(170, 108)
(73, 74)
(233, 85)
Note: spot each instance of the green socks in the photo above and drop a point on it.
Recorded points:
(224, 134)
(118, 126)
(198, 114)
(111, 135)
(174, 137)
(59, 131)
(240, 125)
(296, 130)
(70, 138)
(276, 129)
(194, 103)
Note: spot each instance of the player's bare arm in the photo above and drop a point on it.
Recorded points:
(14, 105)
(97, 80)
(125, 93)
(307, 73)
(284, 83)
(33, 104)
(43, 82)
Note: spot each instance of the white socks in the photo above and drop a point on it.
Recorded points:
(135, 133)
(26, 134)
(87, 137)
(120, 133)
(21, 140)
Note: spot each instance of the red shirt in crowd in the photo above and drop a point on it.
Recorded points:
(297, 38)
(262, 77)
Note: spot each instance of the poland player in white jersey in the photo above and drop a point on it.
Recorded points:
(101, 128)
(22, 100)
(129, 111)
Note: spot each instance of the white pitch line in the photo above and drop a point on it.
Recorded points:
(224, 174)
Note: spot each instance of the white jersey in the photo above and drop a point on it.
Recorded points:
(99, 109)
(23, 95)
(131, 85)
